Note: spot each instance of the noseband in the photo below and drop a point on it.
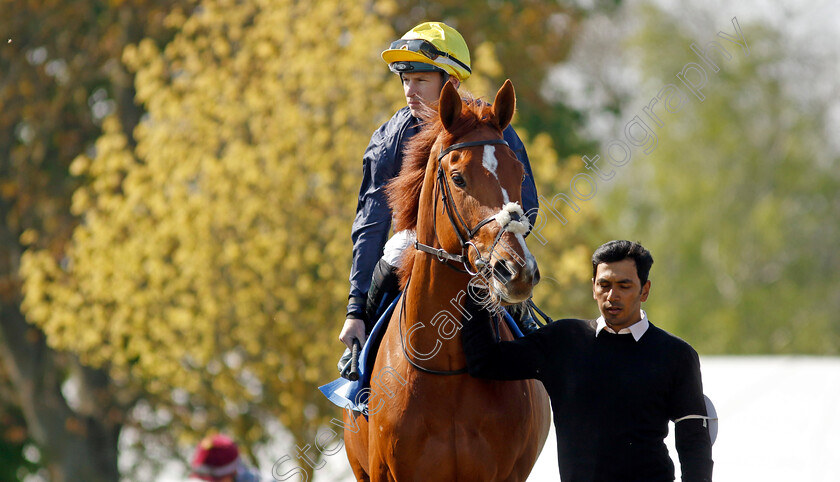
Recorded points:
(509, 216)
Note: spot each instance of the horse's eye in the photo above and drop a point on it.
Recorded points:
(459, 180)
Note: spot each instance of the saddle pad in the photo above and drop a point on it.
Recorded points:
(347, 394)
(344, 393)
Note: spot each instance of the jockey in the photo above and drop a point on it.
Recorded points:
(425, 58)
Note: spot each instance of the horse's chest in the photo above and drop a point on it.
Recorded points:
(461, 413)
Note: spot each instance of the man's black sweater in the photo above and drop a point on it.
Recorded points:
(612, 397)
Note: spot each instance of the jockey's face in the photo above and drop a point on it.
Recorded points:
(422, 88)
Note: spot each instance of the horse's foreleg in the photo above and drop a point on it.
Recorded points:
(380, 471)
(359, 473)
(382, 475)
(355, 444)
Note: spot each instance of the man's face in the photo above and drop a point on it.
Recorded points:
(421, 88)
(619, 293)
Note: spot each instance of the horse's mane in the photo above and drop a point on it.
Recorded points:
(404, 190)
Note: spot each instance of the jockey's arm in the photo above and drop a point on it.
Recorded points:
(530, 201)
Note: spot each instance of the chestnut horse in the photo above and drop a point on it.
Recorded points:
(437, 423)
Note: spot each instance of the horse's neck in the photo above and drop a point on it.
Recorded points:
(434, 284)
(433, 314)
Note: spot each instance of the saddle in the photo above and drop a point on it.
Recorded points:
(354, 394)
(348, 394)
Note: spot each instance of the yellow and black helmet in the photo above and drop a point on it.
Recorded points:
(430, 47)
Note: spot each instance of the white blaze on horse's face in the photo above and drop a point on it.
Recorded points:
(490, 163)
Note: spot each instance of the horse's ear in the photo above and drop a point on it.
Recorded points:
(449, 105)
(505, 104)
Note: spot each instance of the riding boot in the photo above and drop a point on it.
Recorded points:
(384, 286)
(523, 318)
(344, 363)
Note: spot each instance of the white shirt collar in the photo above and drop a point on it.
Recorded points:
(637, 329)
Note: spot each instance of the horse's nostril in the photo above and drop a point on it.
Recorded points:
(502, 271)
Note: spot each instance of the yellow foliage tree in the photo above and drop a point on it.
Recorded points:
(60, 74)
(210, 267)
(211, 263)
(565, 232)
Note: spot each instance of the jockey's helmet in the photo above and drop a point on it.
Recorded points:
(430, 47)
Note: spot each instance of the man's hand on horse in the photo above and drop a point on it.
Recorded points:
(353, 328)
(477, 304)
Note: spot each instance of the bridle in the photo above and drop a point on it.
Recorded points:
(457, 221)
(512, 211)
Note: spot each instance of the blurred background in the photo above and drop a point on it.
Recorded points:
(178, 179)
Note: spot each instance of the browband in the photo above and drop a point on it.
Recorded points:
(462, 145)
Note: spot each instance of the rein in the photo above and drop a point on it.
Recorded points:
(403, 342)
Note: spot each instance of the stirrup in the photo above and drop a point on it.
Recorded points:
(344, 364)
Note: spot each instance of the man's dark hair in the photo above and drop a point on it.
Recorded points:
(618, 250)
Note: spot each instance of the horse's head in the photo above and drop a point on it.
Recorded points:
(470, 201)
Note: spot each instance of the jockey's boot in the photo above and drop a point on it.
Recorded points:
(384, 287)
(523, 318)
(344, 363)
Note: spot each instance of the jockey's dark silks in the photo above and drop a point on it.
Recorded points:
(382, 162)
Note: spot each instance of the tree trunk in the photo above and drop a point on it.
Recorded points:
(74, 446)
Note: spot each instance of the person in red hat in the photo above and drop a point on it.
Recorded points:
(217, 460)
